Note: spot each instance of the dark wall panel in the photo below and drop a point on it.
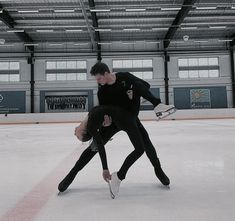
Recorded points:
(12, 102)
(200, 97)
(66, 101)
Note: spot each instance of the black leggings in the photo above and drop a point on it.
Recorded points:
(91, 150)
(129, 125)
(139, 138)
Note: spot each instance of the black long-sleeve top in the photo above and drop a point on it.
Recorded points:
(116, 94)
(120, 118)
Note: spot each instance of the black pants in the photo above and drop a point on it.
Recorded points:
(137, 134)
(140, 90)
(140, 140)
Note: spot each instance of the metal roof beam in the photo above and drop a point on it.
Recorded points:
(9, 22)
(183, 12)
(95, 25)
(6, 18)
(87, 23)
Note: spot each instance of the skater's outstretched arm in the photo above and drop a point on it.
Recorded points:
(99, 143)
(94, 124)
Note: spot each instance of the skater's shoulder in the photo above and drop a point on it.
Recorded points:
(122, 74)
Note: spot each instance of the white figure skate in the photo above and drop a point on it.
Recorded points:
(110, 190)
(162, 110)
(114, 185)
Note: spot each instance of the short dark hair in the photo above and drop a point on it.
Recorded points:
(99, 68)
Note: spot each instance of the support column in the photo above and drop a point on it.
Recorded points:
(166, 78)
(232, 72)
(99, 57)
(32, 82)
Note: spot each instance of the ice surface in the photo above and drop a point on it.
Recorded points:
(198, 156)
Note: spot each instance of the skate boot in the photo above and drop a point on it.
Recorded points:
(162, 176)
(64, 184)
(114, 185)
(163, 110)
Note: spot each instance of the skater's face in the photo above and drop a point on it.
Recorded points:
(102, 79)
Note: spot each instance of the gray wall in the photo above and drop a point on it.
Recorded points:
(223, 81)
(175, 84)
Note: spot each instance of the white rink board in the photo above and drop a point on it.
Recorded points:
(144, 115)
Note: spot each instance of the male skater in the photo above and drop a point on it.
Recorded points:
(124, 90)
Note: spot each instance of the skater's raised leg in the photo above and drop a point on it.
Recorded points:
(141, 90)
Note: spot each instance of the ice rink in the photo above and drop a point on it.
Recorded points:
(197, 155)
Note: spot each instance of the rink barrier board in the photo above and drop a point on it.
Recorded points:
(44, 118)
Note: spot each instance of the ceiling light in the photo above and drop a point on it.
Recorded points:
(100, 10)
(131, 29)
(64, 10)
(55, 44)
(19, 30)
(1, 11)
(185, 37)
(49, 30)
(170, 9)
(206, 8)
(103, 29)
(218, 27)
(201, 41)
(152, 42)
(104, 43)
(31, 44)
(128, 42)
(159, 29)
(188, 28)
(177, 42)
(73, 30)
(7, 45)
(80, 43)
(28, 11)
(2, 41)
(225, 40)
(233, 7)
(135, 9)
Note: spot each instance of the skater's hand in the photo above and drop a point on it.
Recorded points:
(130, 93)
(107, 121)
(106, 175)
